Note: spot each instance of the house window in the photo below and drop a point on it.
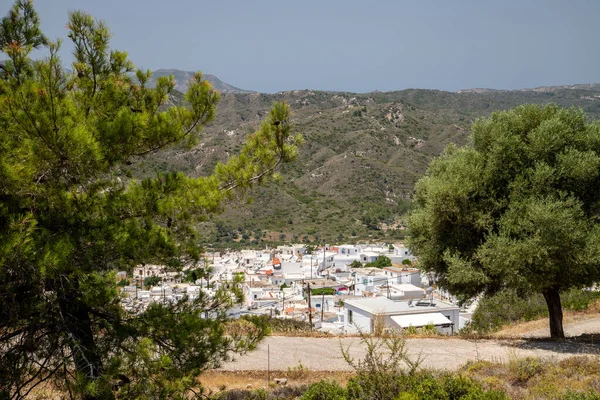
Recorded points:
(349, 316)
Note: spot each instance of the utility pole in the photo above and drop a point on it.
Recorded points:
(322, 305)
(324, 256)
(309, 308)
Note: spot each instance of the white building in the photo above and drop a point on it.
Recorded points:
(369, 280)
(404, 275)
(370, 314)
(368, 257)
(400, 250)
(319, 260)
(292, 250)
(404, 291)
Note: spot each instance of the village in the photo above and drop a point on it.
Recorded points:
(344, 289)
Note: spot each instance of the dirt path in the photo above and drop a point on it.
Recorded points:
(323, 354)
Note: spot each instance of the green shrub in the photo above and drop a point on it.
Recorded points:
(151, 281)
(571, 395)
(381, 262)
(241, 394)
(325, 390)
(459, 386)
(325, 291)
(429, 388)
(523, 369)
(384, 372)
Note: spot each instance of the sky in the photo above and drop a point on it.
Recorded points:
(346, 45)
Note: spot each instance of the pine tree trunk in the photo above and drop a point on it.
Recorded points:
(552, 297)
(79, 328)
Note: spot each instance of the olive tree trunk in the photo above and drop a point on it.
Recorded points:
(552, 297)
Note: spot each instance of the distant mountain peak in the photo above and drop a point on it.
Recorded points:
(182, 79)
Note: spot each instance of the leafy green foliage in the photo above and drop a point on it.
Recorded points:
(70, 214)
(123, 282)
(324, 390)
(151, 281)
(516, 208)
(356, 264)
(325, 291)
(381, 262)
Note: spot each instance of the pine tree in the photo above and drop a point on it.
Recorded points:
(70, 216)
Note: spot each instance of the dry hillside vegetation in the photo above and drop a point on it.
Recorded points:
(363, 154)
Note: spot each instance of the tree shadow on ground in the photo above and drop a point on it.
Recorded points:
(586, 343)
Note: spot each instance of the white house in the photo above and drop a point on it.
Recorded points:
(292, 250)
(373, 313)
(348, 250)
(368, 257)
(404, 275)
(404, 291)
(319, 260)
(400, 250)
(369, 279)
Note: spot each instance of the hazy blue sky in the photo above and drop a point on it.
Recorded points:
(353, 45)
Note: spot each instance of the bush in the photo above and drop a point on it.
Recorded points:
(523, 369)
(325, 390)
(571, 395)
(240, 394)
(384, 371)
(151, 281)
(325, 291)
(381, 262)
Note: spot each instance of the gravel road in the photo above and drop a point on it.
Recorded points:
(323, 354)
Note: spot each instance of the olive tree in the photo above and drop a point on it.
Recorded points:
(516, 208)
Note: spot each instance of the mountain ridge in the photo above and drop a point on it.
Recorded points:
(355, 175)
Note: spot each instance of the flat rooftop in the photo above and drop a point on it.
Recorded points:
(383, 305)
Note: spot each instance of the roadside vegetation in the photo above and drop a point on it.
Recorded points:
(387, 373)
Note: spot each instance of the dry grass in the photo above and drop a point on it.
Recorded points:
(316, 334)
(517, 330)
(535, 378)
(217, 380)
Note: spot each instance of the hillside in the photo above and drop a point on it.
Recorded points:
(362, 157)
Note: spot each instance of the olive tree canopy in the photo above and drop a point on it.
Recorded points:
(517, 208)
